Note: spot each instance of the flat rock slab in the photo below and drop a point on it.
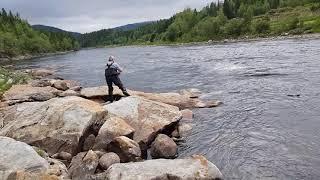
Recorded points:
(196, 167)
(27, 93)
(101, 91)
(148, 118)
(19, 156)
(185, 99)
(55, 125)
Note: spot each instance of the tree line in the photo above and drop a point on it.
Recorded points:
(17, 37)
(220, 20)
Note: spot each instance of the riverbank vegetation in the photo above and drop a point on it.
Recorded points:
(9, 78)
(17, 38)
(217, 21)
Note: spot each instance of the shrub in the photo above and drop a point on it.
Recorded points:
(261, 26)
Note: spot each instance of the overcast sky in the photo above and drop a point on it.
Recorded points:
(91, 15)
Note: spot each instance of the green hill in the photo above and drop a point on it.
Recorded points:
(17, 37)
(217, 21)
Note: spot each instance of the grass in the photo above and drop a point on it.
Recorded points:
(302, 19)
(9, 78)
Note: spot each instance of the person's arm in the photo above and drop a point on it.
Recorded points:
(118, 67)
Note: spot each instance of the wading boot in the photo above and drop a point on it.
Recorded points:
(125, 93)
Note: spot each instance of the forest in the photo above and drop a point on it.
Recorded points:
(217, 21)
(17, 37)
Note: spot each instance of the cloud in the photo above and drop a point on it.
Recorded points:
(91, 15)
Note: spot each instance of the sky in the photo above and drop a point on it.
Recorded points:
(92, 15)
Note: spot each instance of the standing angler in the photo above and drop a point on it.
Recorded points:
(112, 72)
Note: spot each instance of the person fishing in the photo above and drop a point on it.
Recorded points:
(112, 72)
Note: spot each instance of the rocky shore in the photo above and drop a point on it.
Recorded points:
(29, 56)
(54, 129)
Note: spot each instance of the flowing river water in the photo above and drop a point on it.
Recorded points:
(269, 124)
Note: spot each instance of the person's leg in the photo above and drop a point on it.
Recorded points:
(117, 82)
(110, 88)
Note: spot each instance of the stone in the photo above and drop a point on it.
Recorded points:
(100, 153)
(185, 99)
(60, 124)
(175, 133)
(60, 85)
(127, 149)
(40, 83)
(15, 155)
(195, 167)
(71, 84)
(148, 118)
(94, 92)
(209, 104)
(187, 115)
(191, 93)
(112, 128)
(57, 168)
(83, 165)
(76, 88)
(69, 92)
(27, 93)
(184, 129)
(108, 159)
(41, 72)
(63, 156)
(163, 147)
(89, 142)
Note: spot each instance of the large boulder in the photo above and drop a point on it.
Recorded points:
(60, 124)
(28, 93)
(163, 147)
(83, 165)
(196, 167)
(148, 118)
(112, 128)
(185, 99)
(18, 156)
(127, 149)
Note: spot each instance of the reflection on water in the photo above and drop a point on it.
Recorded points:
(260, 132)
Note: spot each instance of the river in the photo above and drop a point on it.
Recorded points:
(269, 124)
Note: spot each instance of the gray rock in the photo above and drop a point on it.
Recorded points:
(108, 159)
(69, 93)
(187, 115)
(163, 147)
(41, 72)
(148, 118)
(196, 167)
(192, 93)
(112, 128)
(40, 83)
(89, 142)
(27, 93)
(83, 165)
(57, 168)
(184, 129)
(76, 88)
(60, 124)
(60, 85)
(63, 156)
(209, 104)
(15, 155)
(127, 149)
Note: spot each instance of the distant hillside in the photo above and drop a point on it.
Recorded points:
(54, 29)
(133, 26)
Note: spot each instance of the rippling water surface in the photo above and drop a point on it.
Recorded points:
(260, 132)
